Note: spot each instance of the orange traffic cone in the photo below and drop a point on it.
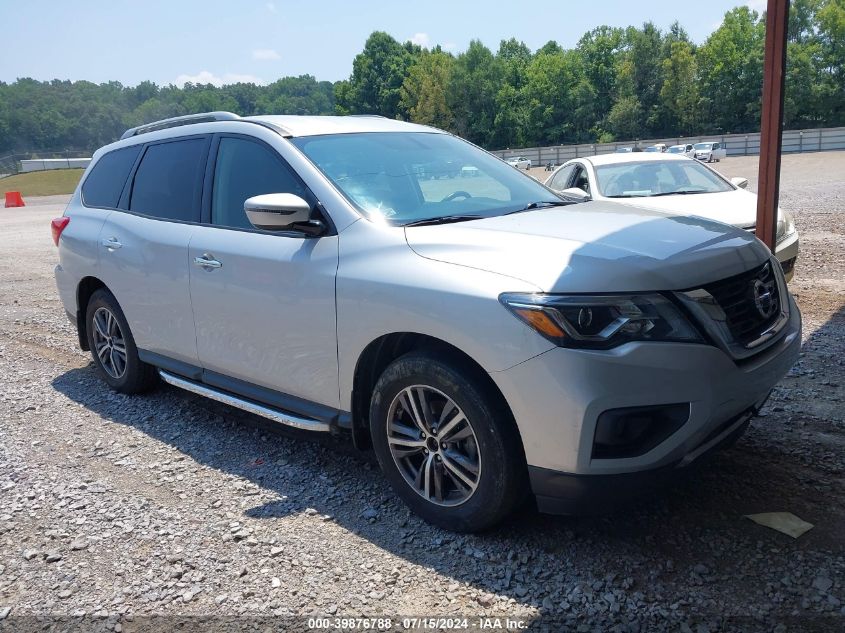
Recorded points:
(13, 199)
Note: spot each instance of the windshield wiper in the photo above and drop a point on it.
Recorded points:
(545, 204)
(444, 219)
(676, 193)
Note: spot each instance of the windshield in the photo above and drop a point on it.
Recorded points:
(703, 145)
(676, 149)
(660, 177)
(404, 177)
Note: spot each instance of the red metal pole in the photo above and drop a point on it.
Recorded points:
(771, 125)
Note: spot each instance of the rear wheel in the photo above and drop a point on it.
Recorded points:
(113, 346)
(444, 445)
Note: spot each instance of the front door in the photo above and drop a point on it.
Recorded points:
(265, 307)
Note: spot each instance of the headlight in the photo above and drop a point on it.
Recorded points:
(601, 321)
(786, 225)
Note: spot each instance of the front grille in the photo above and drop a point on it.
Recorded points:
(751, 302)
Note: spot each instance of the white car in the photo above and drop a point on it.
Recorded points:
(520, 162)
(657, 148)
(673, 184)
(683, 150)
(709, 152)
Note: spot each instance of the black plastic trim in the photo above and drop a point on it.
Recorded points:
(271, 397)
(298, 406)
(186, 370)
(572, 494)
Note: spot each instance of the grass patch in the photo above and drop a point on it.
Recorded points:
(43, 183)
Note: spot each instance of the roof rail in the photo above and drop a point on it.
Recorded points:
(203, 117)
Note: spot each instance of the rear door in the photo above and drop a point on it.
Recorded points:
(265, 310)
(144, 247)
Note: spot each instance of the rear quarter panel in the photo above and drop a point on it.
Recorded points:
(78, 249)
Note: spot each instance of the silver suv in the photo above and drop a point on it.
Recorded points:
(397, 285)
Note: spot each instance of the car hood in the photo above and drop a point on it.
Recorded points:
(737, 207)
(594, 247)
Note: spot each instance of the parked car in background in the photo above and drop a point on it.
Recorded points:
(709, 152)
(520, 162)
(624, 150)
(487, 338)
(686, 150)
(674, 184)
(657, 147)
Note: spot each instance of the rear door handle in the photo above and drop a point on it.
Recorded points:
(207, 261)
(111, 243)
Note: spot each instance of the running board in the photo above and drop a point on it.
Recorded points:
(276, 415)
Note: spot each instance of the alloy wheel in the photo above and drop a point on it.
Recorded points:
(433, 445)
(109, 344)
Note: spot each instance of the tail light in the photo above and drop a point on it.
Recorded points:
(57, 226)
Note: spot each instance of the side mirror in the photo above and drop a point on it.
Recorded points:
(740, 182)
(574, 193)
(280, 212)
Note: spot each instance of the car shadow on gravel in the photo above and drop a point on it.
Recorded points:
(680, 534)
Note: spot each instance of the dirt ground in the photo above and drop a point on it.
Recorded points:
(114, 509)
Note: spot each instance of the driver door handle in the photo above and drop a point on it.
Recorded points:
(111, 243)
(207, 261)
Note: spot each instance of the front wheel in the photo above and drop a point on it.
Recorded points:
(445, 444)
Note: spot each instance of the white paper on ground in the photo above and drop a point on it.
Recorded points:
(785, 522)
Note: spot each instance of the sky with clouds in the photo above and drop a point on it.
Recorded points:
(219, 42)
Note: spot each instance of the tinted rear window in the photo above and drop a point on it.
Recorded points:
(168, 181)
(103, 185)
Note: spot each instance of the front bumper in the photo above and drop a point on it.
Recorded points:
(557, 398)
(566, 493)
(787, 254)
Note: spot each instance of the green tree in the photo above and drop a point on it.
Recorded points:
(378, 73)
(424, 91)
(474, 83)
(679, 95)
(625, 118)
(731, 71)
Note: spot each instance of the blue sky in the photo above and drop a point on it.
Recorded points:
(173, 41)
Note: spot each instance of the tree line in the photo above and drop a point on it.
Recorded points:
(616, 83)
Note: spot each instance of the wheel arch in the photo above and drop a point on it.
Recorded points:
(84, 290)
(378, 354)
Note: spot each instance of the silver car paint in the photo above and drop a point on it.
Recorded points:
(383, 287)
(445, 281)
(595, 247)
(79, 255)
(148, 275)
(267, 315)
(557, 396)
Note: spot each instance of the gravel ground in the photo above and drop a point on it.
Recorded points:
(114, 509)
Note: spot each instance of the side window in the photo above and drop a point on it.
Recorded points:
(104, 184)
(558, 182)
(244, 169)
(169, 180)
(580, 179)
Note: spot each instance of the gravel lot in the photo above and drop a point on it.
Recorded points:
(119, 508)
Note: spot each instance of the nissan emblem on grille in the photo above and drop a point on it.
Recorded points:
(763, 291)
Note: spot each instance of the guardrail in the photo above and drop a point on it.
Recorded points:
(794, 141)
(11, 163)
(43, 164)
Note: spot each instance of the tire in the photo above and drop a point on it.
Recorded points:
(491, 445)
(129, 376)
